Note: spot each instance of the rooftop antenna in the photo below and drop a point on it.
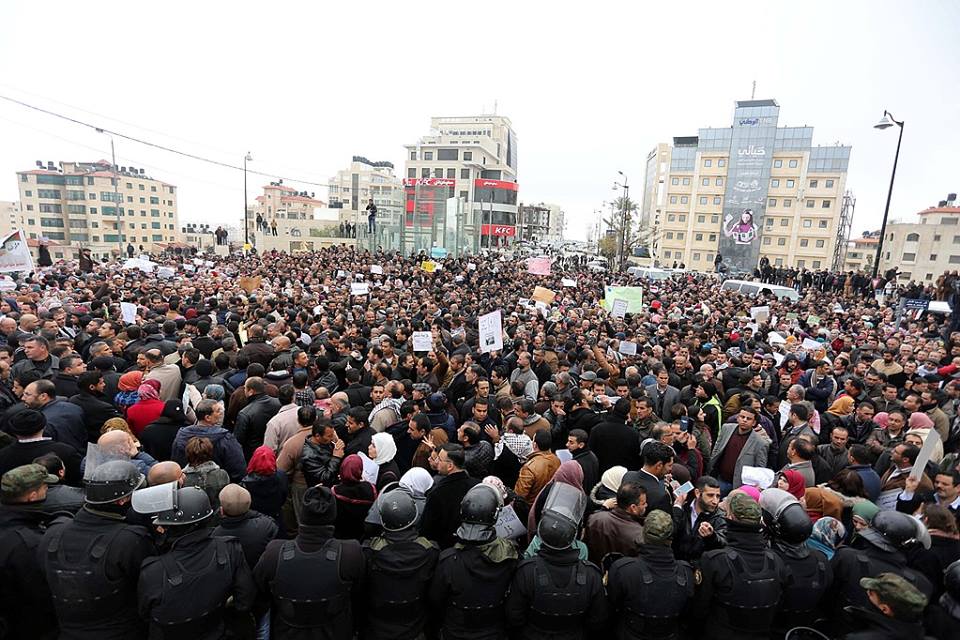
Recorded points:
(753, 91)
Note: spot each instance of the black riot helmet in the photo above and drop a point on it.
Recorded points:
(192, 506)
(112, 481)
(951, 580)
(561, 517)
(784, 516)
(893, 531)
(479, 511)
(398, 511)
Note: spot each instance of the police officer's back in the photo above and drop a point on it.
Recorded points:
(92, 563)
(649, 593)
(470, 584)
(25, 605)
(183, 592)
(555, 594)
(789, 526)
(741, 584)
(308, 583)
(400, 565)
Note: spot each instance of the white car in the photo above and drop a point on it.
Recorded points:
(597, 265)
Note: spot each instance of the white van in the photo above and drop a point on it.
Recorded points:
(754, 288)
(650, 273)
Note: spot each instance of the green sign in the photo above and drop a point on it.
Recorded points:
(632, 295)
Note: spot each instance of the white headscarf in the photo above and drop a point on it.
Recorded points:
(417, 480)
(386, 448)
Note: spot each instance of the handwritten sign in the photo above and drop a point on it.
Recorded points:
(359, 288)
(491, 332)
(422, 341)
(619, 308)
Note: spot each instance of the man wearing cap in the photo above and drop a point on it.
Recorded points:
(92, 563)
(896, 612)
(649, 593)
(28, 427)
(742, 583)
(308, 583)
(25, 605)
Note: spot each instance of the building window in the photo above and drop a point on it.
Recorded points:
(51, 222)
(428, 155)
(801, 263)
(953, 259)
(93, 210)
(463, 195)
(412, 173)
(929, 276)
(933, 257)
(468, 156)
(48, 194)
(775, 183)
(766, 240)
(829, 184)
(714, 219)
(820, 244)
(790, 184)
(686, 182)
(804, 242)
(669, 235)
(813, 184)
(778, 262)
(684, 200)
(787, 202)
(698, 237)
(717, 200)
(784, 222)
(673, 199)
(680, 235)
(909, 257)
(825, 204)
(721, 162)
(936, 237)
(413, 155)
(781, 242)
(811, 203)
(464, 174)
(713, 237)
(23, 177)
(816, 264)
(948, 221)
(28, 194)
(666, 254)
(448, 155)
(824, 224)
(793, 164)
(772, 202)
(675, 181)
(50, 208)
(807, 223)
(778, 163)
(424, 172)
(144, 200)
(708, 163)
(718, 182)
(451, 173)
(769, 221)
(671, 218)
(702, 219)
(703, 199)
(705, 182)
(696, 256)
(682, 218)
(913, 237)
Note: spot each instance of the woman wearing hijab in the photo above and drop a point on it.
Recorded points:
(354, 497)
(158, 436)
(266, 484)
(604, 495)
(148, 407)
(826, 536)
(920, 423)
(569, 472)
(841, 408)
(416, 482)
(382, 451)
(127, 387)
(791, 481)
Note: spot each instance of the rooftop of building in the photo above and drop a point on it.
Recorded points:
(929, 210)
(98, 169)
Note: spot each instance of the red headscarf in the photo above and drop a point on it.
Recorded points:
(351, 469)
(263, 461)
(797, 486)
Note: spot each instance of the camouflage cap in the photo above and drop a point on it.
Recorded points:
(658, 528)
(22, 479)
(744, 508)
(905, 599)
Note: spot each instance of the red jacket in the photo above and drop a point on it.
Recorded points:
(142, 413)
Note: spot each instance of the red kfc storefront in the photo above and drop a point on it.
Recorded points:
(496, 203)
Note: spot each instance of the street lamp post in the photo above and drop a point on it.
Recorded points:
(116, 194)
(886, 122)
(246, 216)
(624, 213)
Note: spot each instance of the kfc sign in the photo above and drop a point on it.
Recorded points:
(504, 230)
(429, 182)
(496, 184)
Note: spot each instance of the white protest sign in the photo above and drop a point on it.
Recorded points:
(341, 273)
(542, 308)
(775, 338)
(198, 261)
(628, 348)
(811, 345)
(619, 308)
(7, 284)
(777, 358)
(760, 314)
(359, 288)
(704, 308)
(491, 332)
(509, 525)
(926, 451)
(377, 269)
(568, 282)
(471, 266)
(166, 272)
(129, 312)
(422, 341)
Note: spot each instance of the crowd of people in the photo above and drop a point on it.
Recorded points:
(257, 449)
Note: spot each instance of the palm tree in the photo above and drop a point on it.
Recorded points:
(622, 222)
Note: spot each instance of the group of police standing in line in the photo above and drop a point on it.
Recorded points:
(103, 574)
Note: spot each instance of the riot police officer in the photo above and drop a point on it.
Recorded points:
(788, 527)
(876, 549)
(400, 564)
(308, 583)
(649, 593)
(471, 581)
(183, 592)
(25, 606)
(555, 594)
(92, 562)
(742, 583)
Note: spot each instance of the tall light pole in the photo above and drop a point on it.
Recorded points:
(624, 220)
(886, 122)
(246, 216)
(116, 194)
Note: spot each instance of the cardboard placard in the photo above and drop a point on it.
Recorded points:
(422, 341)
(249, 283)
(760, 314)
(542, 294)
(429, 266)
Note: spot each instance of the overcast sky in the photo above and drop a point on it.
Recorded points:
(590, 88)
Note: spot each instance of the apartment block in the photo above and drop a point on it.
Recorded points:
(924, 249)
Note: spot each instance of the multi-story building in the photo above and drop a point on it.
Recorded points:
(283, 202)
(861, 252)
(474, 161)
(749, 190)
(11, 218)
(352, 188)
(98, 206)
(542, 223)
(924, 249)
